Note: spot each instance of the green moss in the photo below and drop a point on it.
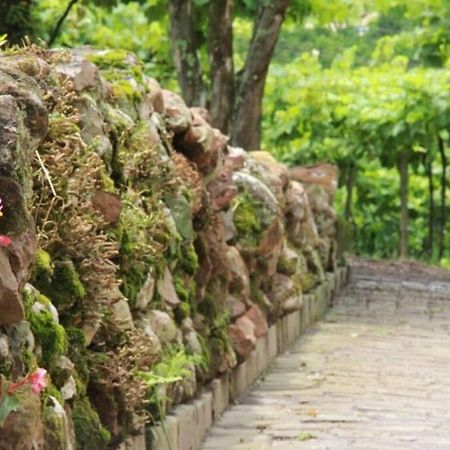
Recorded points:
(257, 294)
(54, 426)
(52, 390)
(183, 311)
(49, 334)
(28, 360)
(180, 289)
(207, 307)
(28, 299)
(78, 354)
(138, 251)
(189, 259)
(66, 287)
(116, 58)
(80, 384)
(287, 266)
(76, 338)
(247, 219)
(43, 300)
(132, 281)
(90, 433)
(43, 267)
(124, 88)
(107, 182)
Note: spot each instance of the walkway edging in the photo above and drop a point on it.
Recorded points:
(187, 425)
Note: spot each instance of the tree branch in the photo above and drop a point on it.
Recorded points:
(60, 22)
(248, 103)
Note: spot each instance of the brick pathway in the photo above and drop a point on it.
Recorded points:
(374, 374)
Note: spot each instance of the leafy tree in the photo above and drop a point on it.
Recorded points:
(16, 19)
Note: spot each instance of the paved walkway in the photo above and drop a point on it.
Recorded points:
(374, 374)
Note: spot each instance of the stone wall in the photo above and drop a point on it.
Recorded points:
(148, 257)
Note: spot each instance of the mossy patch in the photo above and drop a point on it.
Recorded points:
(188, 258)
(66, 287)
(50, 335)
(116, 58)
(90, 433)
(43, 266)
(250, 219)
(54, 426)
(246, 219)
(59, 280)
(182, 312)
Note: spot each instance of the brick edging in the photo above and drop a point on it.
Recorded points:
(187, 425)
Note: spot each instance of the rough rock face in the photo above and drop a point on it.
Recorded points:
(146, 256)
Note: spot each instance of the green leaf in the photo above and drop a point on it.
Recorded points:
(9, 403)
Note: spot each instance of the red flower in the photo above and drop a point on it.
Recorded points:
(4, 240)
(37, 380)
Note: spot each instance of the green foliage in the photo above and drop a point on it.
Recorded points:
(8, 403)
(363, 116)
(175, 365)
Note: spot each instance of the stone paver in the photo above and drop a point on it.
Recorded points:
(375, 374)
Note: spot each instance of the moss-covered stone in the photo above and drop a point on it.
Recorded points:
(56, 434)
(246, 220)
(189, 258)
(66, 287)
(183, 310)
(114, 58)
(90, 433)
(78, 354)
(43, 267)
(50, 335)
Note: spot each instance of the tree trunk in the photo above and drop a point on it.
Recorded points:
(443, 218)
(429, 170)
(246, 129)
(349, 185)
(60, 22)
(15, 19)
(403, 168)
(184, 48)
(221, 62)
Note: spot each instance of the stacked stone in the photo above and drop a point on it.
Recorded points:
(243, 241)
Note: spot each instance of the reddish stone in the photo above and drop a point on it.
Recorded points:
(236, 308)
(178, 115)
(242, 334)
(83, 74)
(108, 205)
(204, 145)
(325, 175)
(200, 116)
(259, 321)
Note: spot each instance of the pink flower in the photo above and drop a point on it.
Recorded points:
(37, 380)
(4, 240)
